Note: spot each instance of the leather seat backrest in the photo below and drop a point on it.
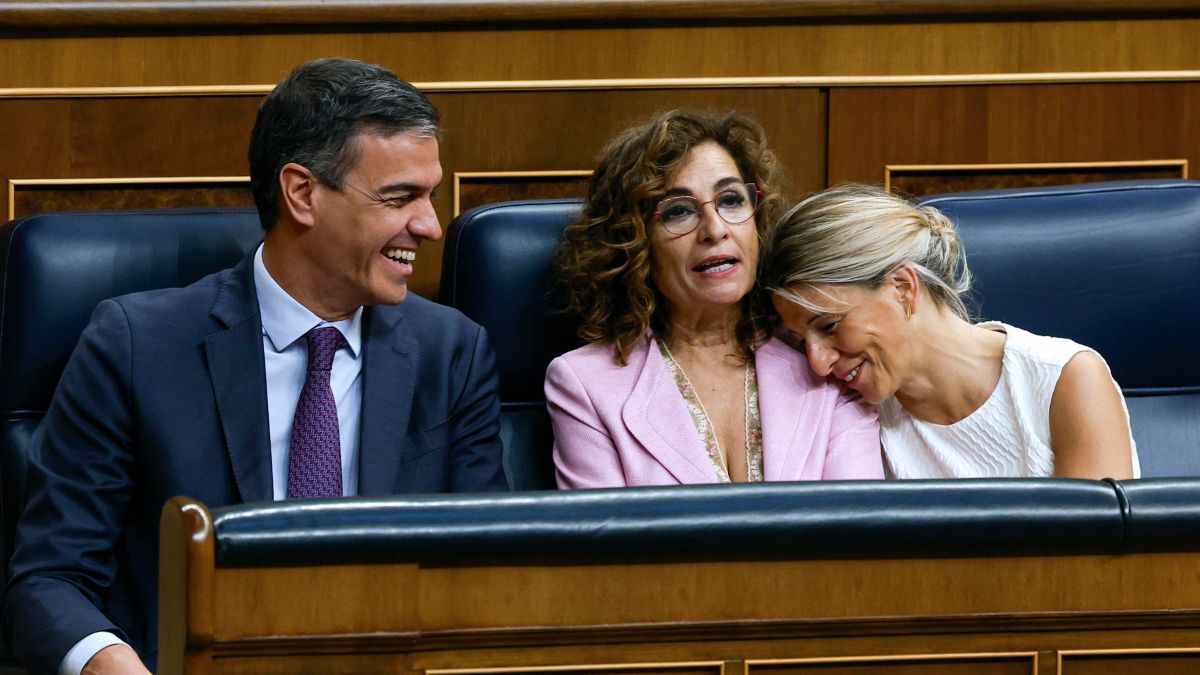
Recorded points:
(497, 269)
(56, 268)
(1114, 266)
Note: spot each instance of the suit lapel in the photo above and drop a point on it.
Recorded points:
(235, 357)
(782, 388)
(389, 372)
(658, 418)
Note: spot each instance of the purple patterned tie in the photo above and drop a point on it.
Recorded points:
(315, 460)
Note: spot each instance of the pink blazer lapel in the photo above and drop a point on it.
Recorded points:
(783, 386)
(657, 416)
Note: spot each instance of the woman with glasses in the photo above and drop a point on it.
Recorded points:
(678, 382)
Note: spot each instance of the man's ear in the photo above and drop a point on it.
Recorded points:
(906, 285)
(297, 185)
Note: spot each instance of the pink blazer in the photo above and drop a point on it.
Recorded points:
(623, 426)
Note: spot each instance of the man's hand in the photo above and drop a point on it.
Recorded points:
(115, 660)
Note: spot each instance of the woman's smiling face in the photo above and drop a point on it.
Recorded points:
(856, 339)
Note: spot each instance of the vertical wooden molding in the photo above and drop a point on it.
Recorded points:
(186, 612)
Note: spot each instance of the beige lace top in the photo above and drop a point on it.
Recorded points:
(754, 452)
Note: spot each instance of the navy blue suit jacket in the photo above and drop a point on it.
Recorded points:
(165, 395)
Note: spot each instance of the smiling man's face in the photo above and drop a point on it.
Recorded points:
(366, 234)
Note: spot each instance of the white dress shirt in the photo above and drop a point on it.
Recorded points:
(285, 353)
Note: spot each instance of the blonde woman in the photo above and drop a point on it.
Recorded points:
(873, 288)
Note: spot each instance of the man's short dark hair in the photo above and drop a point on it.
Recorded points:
(314, 114)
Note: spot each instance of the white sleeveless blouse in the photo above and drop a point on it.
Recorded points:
(1007, 436)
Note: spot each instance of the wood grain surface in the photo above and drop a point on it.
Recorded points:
(871, 128)
(1129, 613)
(611, 50)
(124, 14)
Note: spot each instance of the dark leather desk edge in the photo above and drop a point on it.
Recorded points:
(837, 519)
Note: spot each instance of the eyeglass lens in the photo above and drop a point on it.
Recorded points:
(734, 204)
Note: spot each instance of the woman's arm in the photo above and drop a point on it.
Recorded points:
(1089, 430)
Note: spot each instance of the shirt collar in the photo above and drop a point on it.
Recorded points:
(284, 320)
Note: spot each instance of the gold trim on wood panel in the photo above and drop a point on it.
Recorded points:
(573, 667)
(14, 183)
(137, 92)
(1182, 164)
(790, 81)
(967, 656)
(783, 82)
(133, 180)
(459, 175)
(1121, 652)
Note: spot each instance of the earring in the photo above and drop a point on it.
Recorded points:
(908, 312)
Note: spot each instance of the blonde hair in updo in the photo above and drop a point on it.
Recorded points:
(857, 235)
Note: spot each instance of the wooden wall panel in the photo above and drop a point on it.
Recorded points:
(556, 130)
(553, 130)
(524, 97)
(312, 664)
(871, 128)
(476, 189)
(164, 136)
(89, 138)
(356, 664)
(777, 617)
(30, 199)
(1165, 662)
(785, 47)
(666, 668)
(125, 137)
(925, 665)
(916, 180)
(116, 16)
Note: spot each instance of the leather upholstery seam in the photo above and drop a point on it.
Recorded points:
(1126, 511)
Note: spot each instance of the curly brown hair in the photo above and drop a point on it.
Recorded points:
(604, 261)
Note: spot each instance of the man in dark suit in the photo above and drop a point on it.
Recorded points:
(305, 371)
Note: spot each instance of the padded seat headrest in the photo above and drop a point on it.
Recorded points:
(1114, 266)
(59, 266)
(497, 269)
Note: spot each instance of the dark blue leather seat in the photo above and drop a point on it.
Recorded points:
(496, 269)
(56, 268)
(1114, 266)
